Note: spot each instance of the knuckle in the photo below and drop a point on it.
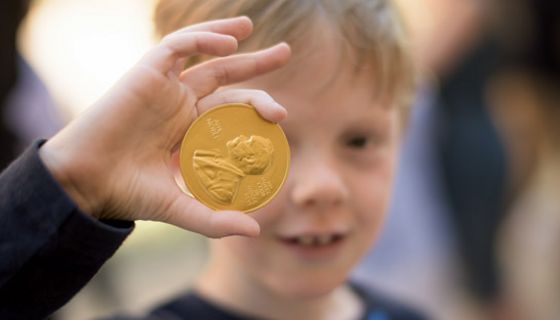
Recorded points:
(168, 40)
(221, 75)
(257, 95)
(262, 94)
(212, 230)
(198, 42)
(168, 45)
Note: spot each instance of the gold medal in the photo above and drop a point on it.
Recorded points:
(233, 159)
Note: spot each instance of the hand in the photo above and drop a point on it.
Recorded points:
(115, 160)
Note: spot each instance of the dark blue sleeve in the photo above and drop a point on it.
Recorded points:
(48, 249)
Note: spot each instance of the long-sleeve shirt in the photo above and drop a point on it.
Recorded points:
(49, 249)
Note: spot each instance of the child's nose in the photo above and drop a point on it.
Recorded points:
(318, 185)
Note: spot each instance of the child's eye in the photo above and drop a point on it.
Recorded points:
(357, 142)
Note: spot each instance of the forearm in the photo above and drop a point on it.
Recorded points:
(48, 248)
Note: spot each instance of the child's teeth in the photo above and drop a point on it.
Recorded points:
(315, 240)
(324, 239)
(305, 240)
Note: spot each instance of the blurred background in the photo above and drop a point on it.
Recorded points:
(474, 227)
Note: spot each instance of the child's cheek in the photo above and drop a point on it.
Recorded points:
(266, 215)
(373, 197)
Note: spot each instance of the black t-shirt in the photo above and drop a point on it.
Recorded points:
(193, 306)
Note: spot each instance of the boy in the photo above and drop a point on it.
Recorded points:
(341, 88)
(344, 89)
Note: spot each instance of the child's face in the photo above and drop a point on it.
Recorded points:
(343, 152)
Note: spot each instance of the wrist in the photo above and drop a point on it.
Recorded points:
(63, 171)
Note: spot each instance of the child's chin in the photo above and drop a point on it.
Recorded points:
(309, 289)
(313, 293)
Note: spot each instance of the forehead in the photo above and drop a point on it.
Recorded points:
(325, 66)
(322, 83)
(322, 98)
(324, 69)
(324, 61)
(327, 50)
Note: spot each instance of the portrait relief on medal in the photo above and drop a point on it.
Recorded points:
(222, 174)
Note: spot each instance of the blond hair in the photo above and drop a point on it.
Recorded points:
(371, 29)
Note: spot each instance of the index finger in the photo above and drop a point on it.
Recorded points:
(238, 27)
(216, 37)
(208, 76)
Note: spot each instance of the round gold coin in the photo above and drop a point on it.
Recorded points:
(233, 159)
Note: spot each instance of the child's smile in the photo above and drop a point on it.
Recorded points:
(314, 246)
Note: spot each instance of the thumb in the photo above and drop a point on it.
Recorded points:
(188, 213)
